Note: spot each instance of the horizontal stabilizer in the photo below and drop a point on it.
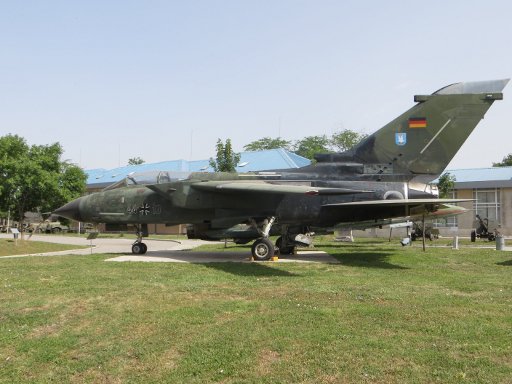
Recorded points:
(378, 210)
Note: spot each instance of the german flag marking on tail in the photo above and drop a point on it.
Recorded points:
(417, 122)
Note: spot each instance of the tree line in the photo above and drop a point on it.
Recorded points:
(226, 159)
(35, 178)
(310, 145)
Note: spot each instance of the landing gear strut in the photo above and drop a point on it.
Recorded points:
(285, 248)
(293, 237)
(263, 249)
(138, 247)
(290, 238)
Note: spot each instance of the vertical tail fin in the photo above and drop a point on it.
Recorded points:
(424, 139)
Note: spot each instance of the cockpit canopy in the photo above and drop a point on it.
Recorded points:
(148, 178)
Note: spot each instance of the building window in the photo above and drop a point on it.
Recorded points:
(487, 204)
(448, 221)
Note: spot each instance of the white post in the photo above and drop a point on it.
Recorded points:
(455, 244)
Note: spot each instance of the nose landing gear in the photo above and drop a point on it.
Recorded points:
(138, 247)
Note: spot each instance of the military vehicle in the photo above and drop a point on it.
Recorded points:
(482, 229)
(47, 226)
(385, 176)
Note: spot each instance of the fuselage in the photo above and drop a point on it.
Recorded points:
(180, 202)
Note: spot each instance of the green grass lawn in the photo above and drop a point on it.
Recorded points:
(26, 247)
(385, 314)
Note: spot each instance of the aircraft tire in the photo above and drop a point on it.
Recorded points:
(262, 249)
(136, 248)
(139, 248)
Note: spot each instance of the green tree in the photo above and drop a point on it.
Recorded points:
(308, 146)
(445, 185)
(268, 143)
(346, 139)
(506, 162)
(135, 161)
(72, 181)
(35, 178)
(226, 160)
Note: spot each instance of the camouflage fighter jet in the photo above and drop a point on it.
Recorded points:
(385, 176)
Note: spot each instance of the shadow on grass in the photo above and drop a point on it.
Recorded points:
(361, 257)
(248, 269)
(507, 263)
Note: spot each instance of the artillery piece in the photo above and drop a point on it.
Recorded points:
(482, 231)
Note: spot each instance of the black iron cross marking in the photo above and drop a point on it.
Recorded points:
(144, 210)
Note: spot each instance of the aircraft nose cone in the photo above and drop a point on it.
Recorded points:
(70, 210)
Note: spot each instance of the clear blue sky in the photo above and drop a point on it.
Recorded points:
(163, 80)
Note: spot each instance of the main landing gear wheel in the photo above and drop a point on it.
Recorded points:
(262, 249)
(139, 248)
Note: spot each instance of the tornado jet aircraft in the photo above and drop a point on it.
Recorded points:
(385, 176)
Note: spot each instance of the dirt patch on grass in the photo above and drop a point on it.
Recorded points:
(69, 313)
(95, 375)
(46, 330)
(169, 359)
(38, 308)
(266, 358)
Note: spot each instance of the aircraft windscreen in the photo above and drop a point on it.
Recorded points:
(148, 177)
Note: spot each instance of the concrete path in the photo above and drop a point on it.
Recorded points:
(118, 245)
(163, 251)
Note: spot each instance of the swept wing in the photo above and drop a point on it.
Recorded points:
(241, 187)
